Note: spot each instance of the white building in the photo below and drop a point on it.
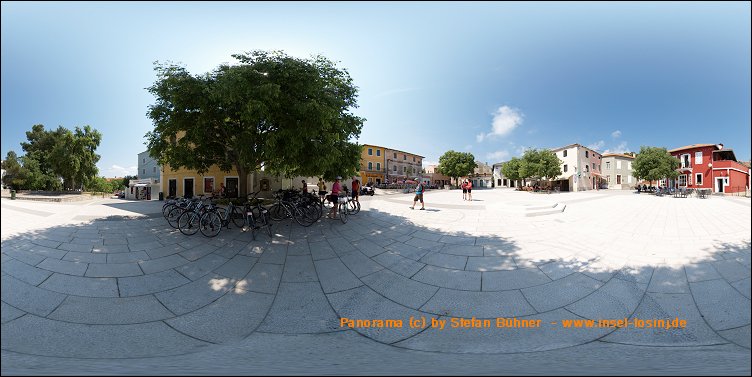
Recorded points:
(500, 180)
(580, 167)
(617, 168)
(143, 189)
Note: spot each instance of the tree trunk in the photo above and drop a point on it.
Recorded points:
(242, 181)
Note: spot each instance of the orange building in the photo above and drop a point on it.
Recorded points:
(372, 168)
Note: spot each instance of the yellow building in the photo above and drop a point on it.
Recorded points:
(372, 166)
(188, 183)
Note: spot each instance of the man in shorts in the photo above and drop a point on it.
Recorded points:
(334, 198)
(322, 190)
(419, 196)
(355, 189)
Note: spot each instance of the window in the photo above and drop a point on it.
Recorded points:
(593, 165)
(587, 168)
(608, 179)
(629, 179)
(698, 179)
(629, 165)
(144, 160)
(419, 161)
(618, 164)
(698, 158)
(404, 157)
(395, 155)
(395, 168)
(618, 179)
(565, 168)
(413, 158)
(378, 152)
(565, 153)
(586, 154)
(208, 184)
(683, 180)
(608, 165)
(370, 166)
(685, 161)
(154, 169)
(144, 171)
(404, 169)
(378, 166)
(370, 151)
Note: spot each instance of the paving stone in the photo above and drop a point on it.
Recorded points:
(47, 243)
(335, 276)
(24, 272)
(400, 289)
(739, 335)
(195, 295)
(298, 247)
(87, 240)
(134, 257)
(63, 267)
(360, 264)
(429, 236)
(513, 279)
(61, 339)
(113, 270)
(490, 264)
(237, 267)
(263, 278)
(219, 321)
(29, 298)
(446, 278)
(340, 245)
(9, 313)
(164, 251)
(743, 287)
(424, 244)
(364, 303)
(463, 250)
(668, 280)
(615, 299)
(162, 264)
(701, 272)
(276, 254)
(300, 308)
(141, 246)
(75, 256)
(515, 340)
(150, 283)
(198, 252)
(559, 293)
(467, 304)
(81, 286)
(640, 275)
(408, 251)
(75, 247)
(117, 310)
(732, 270)
(457, 240)
(368, 247)
(46, 252)
(321, 250)
(667, 306)
(298, 269)
(110, 249)
(197, 269)
(454, 262)
(24, 256)
(399, 264)
(722, 306)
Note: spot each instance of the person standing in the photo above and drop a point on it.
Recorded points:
(334, 198)
(305, 187)
(355, 190)
(469, 190)
(464, 189)
(419, 196)
(322, 190)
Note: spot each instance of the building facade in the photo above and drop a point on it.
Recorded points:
(617, 169)
(148, 167)
(372, 164)
(436, 179)
(580, 167)
(500, 180)
(402, 165)
(709, 166)
(482, 176)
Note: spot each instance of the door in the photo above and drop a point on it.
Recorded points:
(188, 188)
(231, 188)
(172, 188)
(719, 182)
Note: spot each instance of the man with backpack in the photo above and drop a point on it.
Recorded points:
(419, 196)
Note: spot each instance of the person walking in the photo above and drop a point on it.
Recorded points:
(322, 190)
(469, 190)
(305, 187)
(419, 196)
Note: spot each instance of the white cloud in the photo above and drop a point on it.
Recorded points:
(119, 171)
(428, 163)
(498, 156)
(505, 119)
(521, 150)
(621, 148)
(597, 145)
(479, 137)
(616, 134)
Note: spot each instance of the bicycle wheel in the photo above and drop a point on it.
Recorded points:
(167, 208)
(237, 217)
(343, 213)
(172, 217)
(188, 223)
(278, 212)
(210, 224)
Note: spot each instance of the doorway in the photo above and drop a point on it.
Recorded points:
(172, 188)
(188, 188)
(231, 188)
(719, 184)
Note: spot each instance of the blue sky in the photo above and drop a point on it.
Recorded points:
(487, 78)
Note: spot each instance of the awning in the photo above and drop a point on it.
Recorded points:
(140, 185)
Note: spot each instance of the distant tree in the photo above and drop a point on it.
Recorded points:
(125, 182)
(653, 163)
(286, 115)
(511, 169)
(456, 164)
(540, 164)
(12, 170)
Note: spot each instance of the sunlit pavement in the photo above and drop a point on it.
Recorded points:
(108, 287)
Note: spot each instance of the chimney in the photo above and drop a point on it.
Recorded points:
(720, 146)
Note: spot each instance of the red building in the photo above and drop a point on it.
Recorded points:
(710, 166)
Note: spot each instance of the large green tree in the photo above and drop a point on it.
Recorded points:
(653, 163)
(286, 115)
(511, 169)
(540, 164)
(12, 170)
(456, 164)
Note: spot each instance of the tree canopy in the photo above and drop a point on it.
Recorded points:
(286, 115)
(456, 164)
(511, 169)
(539, 164)
(653, 163)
